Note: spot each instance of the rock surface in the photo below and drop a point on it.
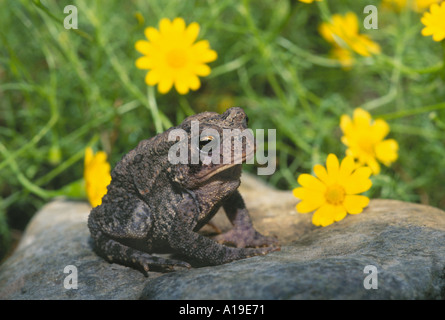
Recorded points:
(403, 242)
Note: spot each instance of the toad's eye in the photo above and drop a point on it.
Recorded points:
(205, 141)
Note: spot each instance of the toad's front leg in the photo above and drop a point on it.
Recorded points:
(243, 234)
(205, 250)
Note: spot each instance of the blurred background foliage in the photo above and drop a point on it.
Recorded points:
(63, 90)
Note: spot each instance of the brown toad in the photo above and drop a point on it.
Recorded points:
(153, 205)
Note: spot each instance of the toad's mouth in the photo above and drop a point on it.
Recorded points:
(205, 175)
(211, 170)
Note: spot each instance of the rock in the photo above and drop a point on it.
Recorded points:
(58, 237)
(403, 242)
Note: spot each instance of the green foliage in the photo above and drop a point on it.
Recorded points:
(62, 90)
(5, 236)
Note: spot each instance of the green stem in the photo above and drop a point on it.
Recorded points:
(28, 185)
(62, 167)
(229, 66)
(10, 156)
(153, 107)
(411, 71)
(412, 112)
(265, 54)
(443, 57)
(158, 117)
(50, 94)
(324, 10)
(39, 5)
(307, 56)
(380, 101)
(185, 105)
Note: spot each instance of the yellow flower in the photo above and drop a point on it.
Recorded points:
(422, 5)
(97, 176)
(343, 31)
(434, 22)
(173, 57)
(334, 192)
(308, 1)
(344, 56)
(416, 5)
(364, 139)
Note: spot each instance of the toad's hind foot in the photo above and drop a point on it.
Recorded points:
(147, 262)
(242, 238)
(114, 251)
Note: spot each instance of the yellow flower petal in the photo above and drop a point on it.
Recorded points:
(343, 33)
(364, 46)
(152, 77)
(362, 118)
(202, 53)
(380, 129)
(143, 46)
(202, 70)
(438, 35)
(88, 156)
(208, 56)
(152, 34)
(310, 199)
(101, 157)
(165, 84)
(373, 165)
(164, 27)
(355, 203)
(344, 56)
(363, 137)
(326, 32)
(325, 215)
(434, 9)
(434, 22)
(300, 192)
(346, 167)
(194, 82)
(339, 213)
(310, 182)
(427, 31)
(191, 33)
(351, 24)
(358, 182)
(97, 176)
(332, 166)
(181, 86)
(386, 151)
(144, 63)
(309, 205)
(321, 173)
(201, 46)
(304, 193)
(346, 123)
(178, 25)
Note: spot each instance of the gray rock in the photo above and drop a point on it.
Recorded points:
(58, 237)
(405, 243)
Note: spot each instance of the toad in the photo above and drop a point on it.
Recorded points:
(153, 205)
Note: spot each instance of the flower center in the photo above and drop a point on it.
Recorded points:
(335, 194)
(176, 58)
